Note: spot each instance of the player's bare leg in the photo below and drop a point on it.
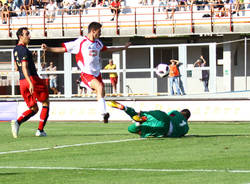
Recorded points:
(130, 111)
(15, 124)
(43, 119)
(100, 93)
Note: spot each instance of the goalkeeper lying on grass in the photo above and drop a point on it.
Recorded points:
(156, 123)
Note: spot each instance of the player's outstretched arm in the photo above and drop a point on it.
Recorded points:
(53, 49)
(119, 49)
(204, 61)
(177, 62)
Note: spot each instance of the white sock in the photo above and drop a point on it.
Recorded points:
(137, 124)
(102, 105)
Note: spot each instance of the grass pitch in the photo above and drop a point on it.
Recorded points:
(96, 153)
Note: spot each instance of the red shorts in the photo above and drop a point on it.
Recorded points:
(113, 80)
(40, 91)
(87, 78)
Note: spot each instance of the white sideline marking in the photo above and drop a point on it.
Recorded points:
(67, 146)
(128, 169)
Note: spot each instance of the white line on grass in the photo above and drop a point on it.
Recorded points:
(128, 169)
(67, 146)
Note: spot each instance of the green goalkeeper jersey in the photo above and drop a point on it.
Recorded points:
(157, 124)
(178, 124)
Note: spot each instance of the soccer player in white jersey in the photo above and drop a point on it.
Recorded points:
(87, 50)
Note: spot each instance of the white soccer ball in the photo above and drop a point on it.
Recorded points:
(162, 70)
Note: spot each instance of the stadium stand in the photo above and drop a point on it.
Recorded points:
(135, 20)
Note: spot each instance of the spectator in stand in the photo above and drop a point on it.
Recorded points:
(206, 6)
(182, 4)
(51, 11)
(145, 2)
(237, 6)
(52, 78)
(59, 4)
(27, 7)
(161, 5)
(218, 9)
(199, 4)
(115, 8)
(95, 3)
(66, 6)
(36, 6)
(174, 75)
(113, 76)
(227, 8)
(201, 62)
(18, 4)
(109, 2)
(100, 3)
(12, 8)
(5, 13)
(173, 4)
(75, 7)
(83, 4)
(45, 3)
(92, 3)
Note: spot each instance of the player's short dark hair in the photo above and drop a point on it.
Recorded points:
(186, 113)
(94, 26)
(20, 31)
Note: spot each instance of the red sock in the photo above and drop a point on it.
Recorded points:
(43, 117)
(25, 116)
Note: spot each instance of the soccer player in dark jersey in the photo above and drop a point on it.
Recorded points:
(32, 88)
(156, 123)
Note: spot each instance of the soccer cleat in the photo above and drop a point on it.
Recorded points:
(40, 133)
(106, 118)
(115, 104)
(137, 118)
(14, 128)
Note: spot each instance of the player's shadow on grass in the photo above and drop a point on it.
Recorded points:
(229, 135)
(103, 134)
(198, 136)
(89, 135)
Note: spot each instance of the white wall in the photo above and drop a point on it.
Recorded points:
(142, 86)
(201, 110)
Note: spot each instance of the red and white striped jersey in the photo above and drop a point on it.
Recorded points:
(87, 54)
